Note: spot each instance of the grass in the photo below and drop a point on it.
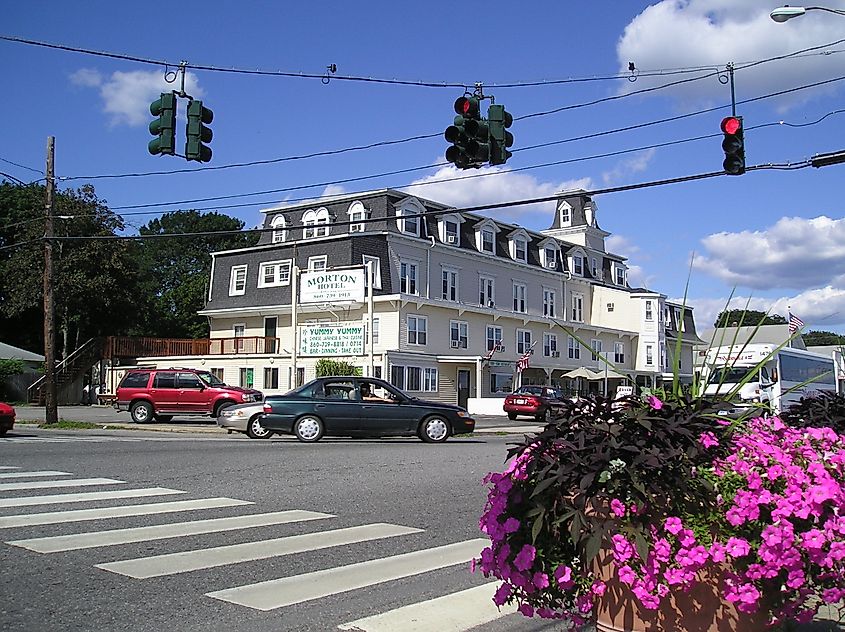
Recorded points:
(69, 424)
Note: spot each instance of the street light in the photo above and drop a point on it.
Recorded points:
(784, 13)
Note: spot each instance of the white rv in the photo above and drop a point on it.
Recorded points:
(779, 377)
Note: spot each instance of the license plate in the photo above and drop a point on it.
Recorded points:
(519, 401)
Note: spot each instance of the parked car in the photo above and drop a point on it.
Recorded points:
(159, 394)
(361, 407)
(244, 418)
(7, 418)
(533, 401)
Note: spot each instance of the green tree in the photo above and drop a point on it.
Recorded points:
(747, 317)
(326, 367)
(94, 279)
(175, 270)
(822, 338)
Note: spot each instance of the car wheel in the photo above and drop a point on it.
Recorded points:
(308, 429)
(163, 418)
(221, 406)
(434, 430)
(3, 431)
(512, 416)
(254, 429)
(142, 412)
(546, 416)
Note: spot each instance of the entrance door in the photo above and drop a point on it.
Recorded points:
(270, 323)
(463, 387)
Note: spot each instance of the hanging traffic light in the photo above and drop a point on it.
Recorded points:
(500, 138)
(164, 126)
(733, 145)
(197, 133)
(468, 134)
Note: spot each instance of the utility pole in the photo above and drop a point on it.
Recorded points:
(51, 407)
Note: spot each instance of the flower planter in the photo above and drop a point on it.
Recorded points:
(700, 609)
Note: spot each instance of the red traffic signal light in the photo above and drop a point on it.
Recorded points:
(731, 125)
(733, 145)
(468, 107)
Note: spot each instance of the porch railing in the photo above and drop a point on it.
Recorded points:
(131, 347)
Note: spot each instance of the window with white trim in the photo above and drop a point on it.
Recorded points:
(318, 263)
(649, 313)
(488, 240)
(549, 297)
(278, 225)
(271, 377)
(523, 340)
(577, 314)
(620, 275)
(450, 233)
(520, 249)
(565, 213)
(376, 266)
(429, 384)
(407, 277)
(649, 355)
(458, 334)
(550, 257)
(315, 223)
(494, 337)
(594, 267)
(375, 329)
(595, 345)
(408, 221)
(487, 291)
(357, 214)
(573, 349)
(549, 345)
(449, 288)
(274, 273)
(417, 330)
(679, 319)
(414, 378)
(238, 332)
(237, 281)
(619, 352)
(578, 265)
(520, 290)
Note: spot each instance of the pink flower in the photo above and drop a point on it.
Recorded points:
(654, 402)
(623, 550)
(708, 439)
(626, 574)
(526, 609)
(563, 575)
(525, 558)
(511, 525)
(673, 525)
(502, 595)
(540, 580)
(598, 588)
(617, 508)
(737, 547)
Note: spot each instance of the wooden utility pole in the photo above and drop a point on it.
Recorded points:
(51, 406)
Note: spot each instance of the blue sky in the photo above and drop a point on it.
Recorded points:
(775, 235)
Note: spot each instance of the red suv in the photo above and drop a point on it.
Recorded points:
(160, 394)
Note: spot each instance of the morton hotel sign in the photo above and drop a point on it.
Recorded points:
(332, 286)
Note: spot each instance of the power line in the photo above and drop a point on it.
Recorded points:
(21, 166)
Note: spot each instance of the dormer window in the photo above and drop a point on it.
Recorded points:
(357, 214)
(578, 265)
(315, 223)
(485, 237)
(451, 232)
(278, 225)
(550, 257)
(409, 217)
(449, 227)
(565, 214)
(487, 241)
(619, 275)
(518, 244)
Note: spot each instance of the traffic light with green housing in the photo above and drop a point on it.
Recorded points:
(498, 120)
(733, 145)
(198, 133)
(469, 135)
(164, 127)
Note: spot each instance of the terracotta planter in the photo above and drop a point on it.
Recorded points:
(702, 609)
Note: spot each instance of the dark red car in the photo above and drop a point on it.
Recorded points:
(7, 418)
(533, 401)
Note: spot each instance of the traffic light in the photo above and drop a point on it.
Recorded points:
(197, 133)
(733, 145)
(164, 126)
(500, 138)
(469, 135)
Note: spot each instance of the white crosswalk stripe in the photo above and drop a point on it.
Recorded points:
(156, 566)
(78, 515)
(43, 439)
(457, 612)
(8, 475)
(9, 467)
(113, 537)
(53, 499)
(74, 482)
(277, 593)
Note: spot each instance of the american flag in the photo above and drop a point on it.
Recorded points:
(522, 363)
(795, 323)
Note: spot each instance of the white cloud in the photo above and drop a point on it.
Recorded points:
(636, 164)
(794, 253)
(505, 186)
(694, 33)
(127, 95)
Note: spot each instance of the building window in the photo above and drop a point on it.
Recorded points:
(577, 307)
(278, 225)
(417, 330)
(549, 303)
(649, 313)
(649, 355)
(679, 319)
(594, 267)
(413, 378)
(486, 292)
(246, 377)
(458, 334)
(550, 345)
(375, 329)
(494, 337)
(519, 292)
(239, 331)
(620, 276)
(619, 352)
(315, 223)
(565, 214)
(610, 307)
(450, 230)
(577, 265)
(408, 221)
(397, 376)
(317, 264)
(487, 240)
(550, 257)
(450, 285)
(271, 377)
(501, 382)
(595, 345)
(520, 250)
(237, 281)
(429, 380)
(273, 273)
(573, 349)
(357, 215)
(376, 265)
(523, 340)
(407, 277)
